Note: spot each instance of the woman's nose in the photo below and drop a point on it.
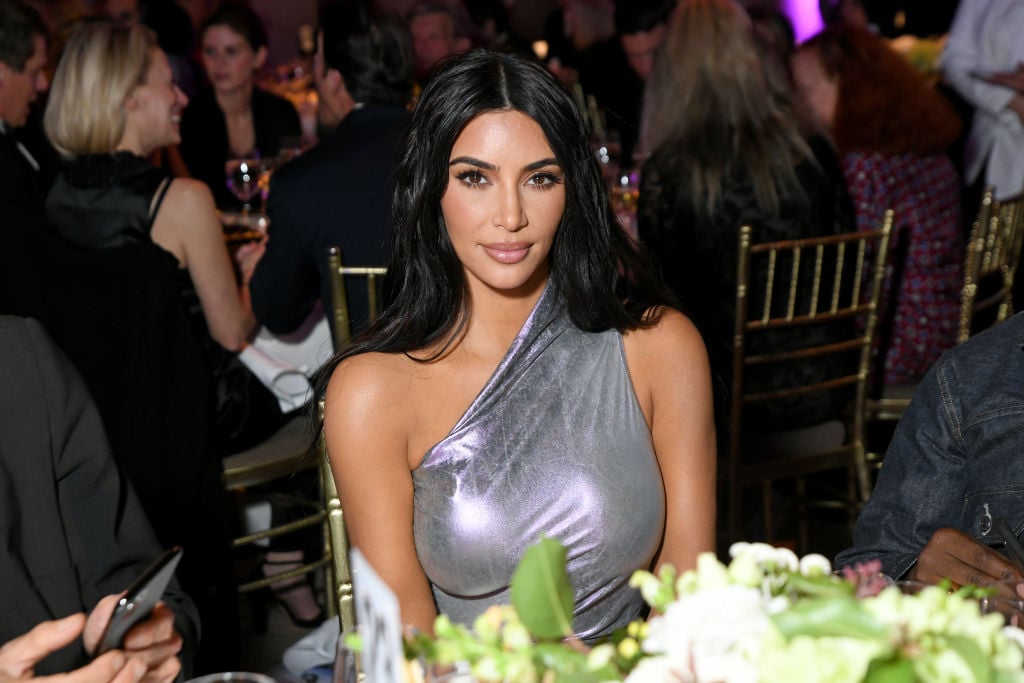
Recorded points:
(509, 213)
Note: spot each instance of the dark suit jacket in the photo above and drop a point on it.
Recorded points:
(336, 194)
(22, 194)
(204, 137)
(71, 529)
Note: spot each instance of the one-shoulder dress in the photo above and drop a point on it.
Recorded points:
(554, 445)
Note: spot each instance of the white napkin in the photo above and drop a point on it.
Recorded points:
(284, 363)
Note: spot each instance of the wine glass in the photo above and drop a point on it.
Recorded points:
(243, 179)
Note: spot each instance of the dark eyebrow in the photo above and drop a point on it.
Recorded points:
(472, 162)
(550, 161)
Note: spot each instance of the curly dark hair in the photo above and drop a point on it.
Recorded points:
(884, 105)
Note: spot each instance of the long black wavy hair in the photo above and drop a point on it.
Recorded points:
(606, 280)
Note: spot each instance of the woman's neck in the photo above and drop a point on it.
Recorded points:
(495, 318)
(237, 102)
(131, 143)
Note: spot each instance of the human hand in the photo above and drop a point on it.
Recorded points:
(18, 657)
(153, 641)
(247, 256)
(1013, 79)
(953, 555)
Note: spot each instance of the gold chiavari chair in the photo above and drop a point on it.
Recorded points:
(341, 590)
(833, 280)
(252, 475)
(342, 594)
(991, 258)
(337, 272)
(993, 254)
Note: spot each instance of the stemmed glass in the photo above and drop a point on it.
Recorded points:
(243, 179)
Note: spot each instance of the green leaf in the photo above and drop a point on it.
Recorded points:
(833, 616)
(890, 670)
(819, 585)
(541, 593)
(973, 657)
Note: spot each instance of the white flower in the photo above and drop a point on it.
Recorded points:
(784, 559)
(815, 565)
(713, 634)
(656, 670)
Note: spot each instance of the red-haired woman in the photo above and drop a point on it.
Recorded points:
(892, 130)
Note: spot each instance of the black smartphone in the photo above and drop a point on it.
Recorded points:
(140, 599)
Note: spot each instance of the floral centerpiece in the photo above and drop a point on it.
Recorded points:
(768, 616)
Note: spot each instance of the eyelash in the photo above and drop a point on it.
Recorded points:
(542, 180)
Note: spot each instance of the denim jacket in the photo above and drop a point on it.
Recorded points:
(957, 457)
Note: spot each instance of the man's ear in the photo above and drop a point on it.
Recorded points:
(334, 80)
(261, 57)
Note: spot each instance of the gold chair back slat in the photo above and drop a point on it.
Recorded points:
(837, 280)
(803, 354)
(793, 287)
(337, 272)
(992, 258)
(834, 383)
(856, 299)
(344, 597)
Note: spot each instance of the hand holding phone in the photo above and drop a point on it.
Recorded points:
(139, 599)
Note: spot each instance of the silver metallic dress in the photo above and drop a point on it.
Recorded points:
(555, 444)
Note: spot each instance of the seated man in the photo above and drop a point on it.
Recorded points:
(339, 192)
(952, 469)
(71, 529)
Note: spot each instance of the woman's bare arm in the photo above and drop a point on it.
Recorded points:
(187, 226)
(365, 425)
(670, 372)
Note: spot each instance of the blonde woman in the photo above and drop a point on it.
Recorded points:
(728, 148)
(112, 102)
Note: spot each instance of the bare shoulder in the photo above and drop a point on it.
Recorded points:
(370, 388)
(673, 336)
(190, 194)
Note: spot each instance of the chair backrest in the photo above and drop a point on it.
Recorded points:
(818, 302)
(993, 254)
(342, 588)
(337, 272)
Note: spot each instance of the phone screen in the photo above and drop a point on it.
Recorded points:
(140, 599)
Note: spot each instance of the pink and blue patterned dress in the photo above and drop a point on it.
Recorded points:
(921, 301)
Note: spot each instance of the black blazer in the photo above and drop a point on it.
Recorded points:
(22, 192)
(338, 193)
(71, 530)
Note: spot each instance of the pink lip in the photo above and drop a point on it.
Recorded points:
(507, 252)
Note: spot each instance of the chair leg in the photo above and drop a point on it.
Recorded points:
(863, 480)
(735, 509)
(766, 507)
(801, 511)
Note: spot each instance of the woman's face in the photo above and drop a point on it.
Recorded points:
(229, 60)
(153, 109)
(504, 201)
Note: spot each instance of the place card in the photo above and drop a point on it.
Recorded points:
(380, 623)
